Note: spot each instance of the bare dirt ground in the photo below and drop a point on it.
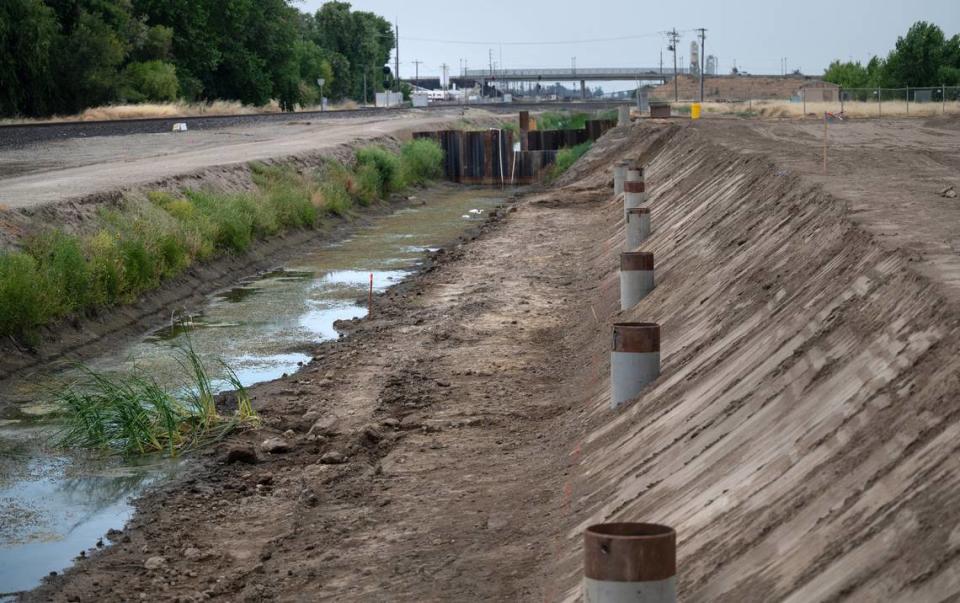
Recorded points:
(891, 173)
(57, 171)
(802, 437)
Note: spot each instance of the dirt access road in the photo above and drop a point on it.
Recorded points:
(77, 168)
(802, 437)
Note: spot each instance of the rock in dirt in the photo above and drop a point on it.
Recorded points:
(154, 563)
(275, 446)
(334, 457)
(192, 553)
(371, 435)
(241, 453)
(327, 425)
(391, 423)
(949, 193)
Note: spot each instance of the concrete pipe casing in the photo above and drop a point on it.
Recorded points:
(619, 176)
(629, 563)
(638, 227)
(634, 172)
(634, 360)
(634, 195)
(623, 116)
(636, 277)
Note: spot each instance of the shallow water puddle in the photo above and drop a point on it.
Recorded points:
(54, 506)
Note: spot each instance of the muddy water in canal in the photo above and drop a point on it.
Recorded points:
(55, 504)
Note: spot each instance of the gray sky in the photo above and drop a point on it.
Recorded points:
(754, 33)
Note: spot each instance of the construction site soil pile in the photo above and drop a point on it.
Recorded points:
(802, 437)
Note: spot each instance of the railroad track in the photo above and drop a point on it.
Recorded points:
(16, 135)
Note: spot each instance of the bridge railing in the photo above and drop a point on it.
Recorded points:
(569, 73)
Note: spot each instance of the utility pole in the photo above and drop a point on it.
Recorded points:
(674, 38)
(417, 62)
(396, 73)
(444, 76)
(703, 55)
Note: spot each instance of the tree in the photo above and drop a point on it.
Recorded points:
(917, 57)
(87, 71)
(150, 81)
(358, 43)
(28, 31)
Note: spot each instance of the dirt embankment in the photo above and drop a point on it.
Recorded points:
(734, 88)
(802, 437)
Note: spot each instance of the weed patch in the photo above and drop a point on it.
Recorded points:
(566, 158)
(133, 415)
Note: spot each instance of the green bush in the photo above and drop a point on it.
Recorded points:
(150, 81)
(231, 215)
(567, 157)
(105, 270)
(388, 166)
(62, 268)
(553, 120)
(336, 199)
(367, 184)
(422, 161)
(23, 294)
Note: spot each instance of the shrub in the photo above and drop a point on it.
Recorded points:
(62, 268)
(105, 270)
(422, 161)
(367, 184)
(551, 120)
(388, 166)
(22, 294)
(150, 81)
(232, 217)
(335, 198)
(567, 157)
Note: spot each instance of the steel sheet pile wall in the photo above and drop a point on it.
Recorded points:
(487, 157)
(475, 157)
(532, 166)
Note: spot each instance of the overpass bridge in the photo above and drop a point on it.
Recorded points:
(573, 74)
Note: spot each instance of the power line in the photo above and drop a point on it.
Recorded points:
(538, 43)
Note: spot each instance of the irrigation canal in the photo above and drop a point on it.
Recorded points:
(54, 504)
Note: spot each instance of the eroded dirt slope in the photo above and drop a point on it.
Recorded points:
(803, 436)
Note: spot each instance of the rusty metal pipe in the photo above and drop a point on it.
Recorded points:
(634, 360)
(637, 228)
(619, 176)
(629, 563)
(636, 277)
(634, 195)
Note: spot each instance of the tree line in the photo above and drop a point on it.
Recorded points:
(923, 57)
(63, 56)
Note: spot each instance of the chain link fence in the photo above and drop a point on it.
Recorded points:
(839, 102)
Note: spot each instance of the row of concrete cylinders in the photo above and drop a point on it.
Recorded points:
(632, 562)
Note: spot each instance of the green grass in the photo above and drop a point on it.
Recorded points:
(136, 247)
(562, 120)
(132, 414)
(421, 161)
(389, 168)
(566, 158)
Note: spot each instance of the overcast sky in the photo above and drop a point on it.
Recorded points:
(754, 33)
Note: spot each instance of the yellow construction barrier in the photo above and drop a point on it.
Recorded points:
(695, 111)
